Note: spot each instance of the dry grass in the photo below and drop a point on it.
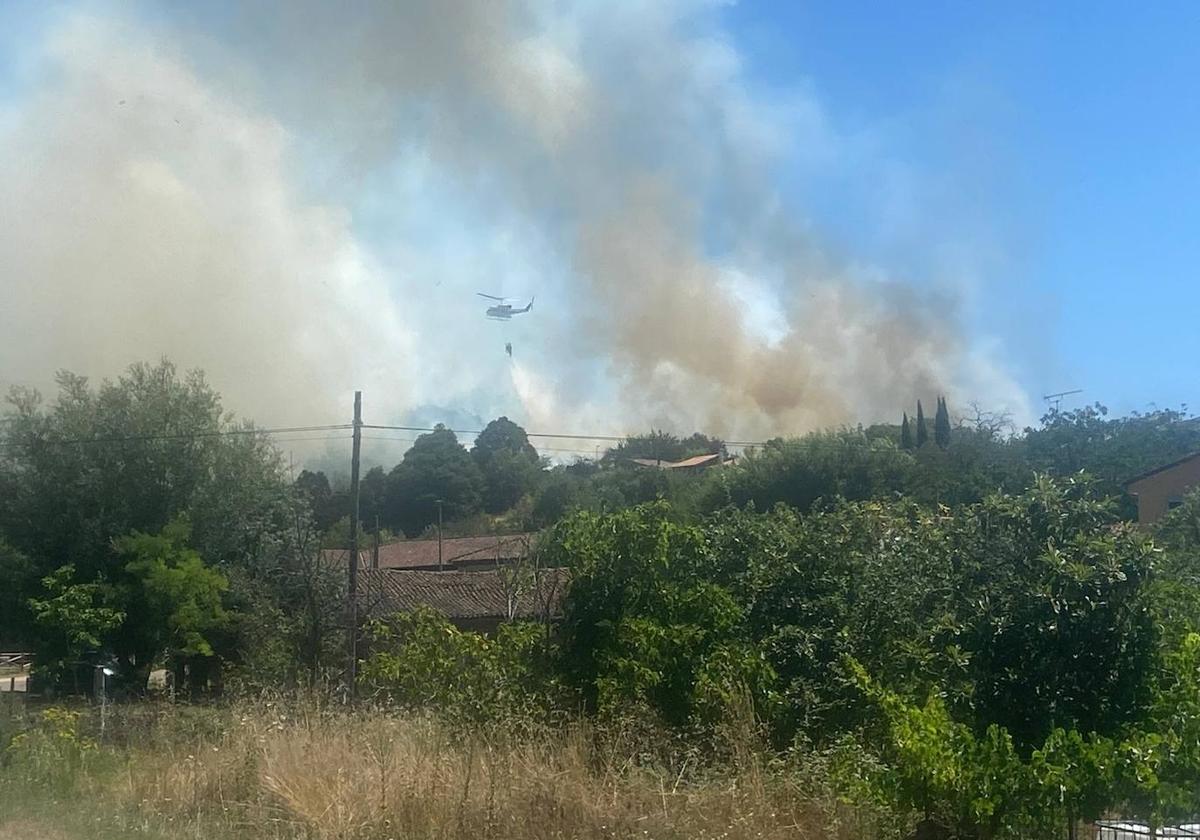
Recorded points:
(367, 776)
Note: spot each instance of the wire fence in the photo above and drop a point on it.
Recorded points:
(1117, 830)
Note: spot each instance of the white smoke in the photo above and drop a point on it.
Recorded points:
(144, 215)
(609, 159)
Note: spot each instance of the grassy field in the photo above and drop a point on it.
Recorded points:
(264, 770)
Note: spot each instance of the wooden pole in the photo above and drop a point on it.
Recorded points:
(353, 568)
(375, 552)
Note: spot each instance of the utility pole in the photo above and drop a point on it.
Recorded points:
(439, 503)
(353, 569)
(375, 554)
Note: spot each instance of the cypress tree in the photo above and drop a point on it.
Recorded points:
(906, 441)
(922, 432)
(941, 424)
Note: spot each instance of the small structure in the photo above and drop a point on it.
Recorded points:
(696, 462)
(1161, 490)
(478, 600)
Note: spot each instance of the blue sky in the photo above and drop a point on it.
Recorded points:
(1028, 172)
(1087, 176)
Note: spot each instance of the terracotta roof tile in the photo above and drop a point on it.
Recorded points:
(459, 594)
(456, 551)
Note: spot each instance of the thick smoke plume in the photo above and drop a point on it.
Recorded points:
(606, 157)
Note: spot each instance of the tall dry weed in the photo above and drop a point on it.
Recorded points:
(276, 773)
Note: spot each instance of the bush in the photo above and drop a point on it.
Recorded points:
(420, 660)
(51, 752)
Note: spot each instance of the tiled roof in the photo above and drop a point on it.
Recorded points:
(456, 551)
(694, 461)
(1185, 459)
(457, 594)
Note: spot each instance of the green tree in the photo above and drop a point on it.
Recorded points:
(1112, 449)
(813, 588)
(1158, 768)
(1054, 609)
(315, 490)
(821, 465)
(658, 445)
(508, 462)
(436, 468)
(941, 424)
(18, 578)
(288, 611)
(420, 660)
(130, 455)
(372, 496)
(922, 432)
(643, 623)
(75, 620)
(906, 438)
(173, 603)
(973, 787)
(976, 784)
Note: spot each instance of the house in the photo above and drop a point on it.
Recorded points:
(695, 463)
(1163, 489)
(473, 600)
(461, 553)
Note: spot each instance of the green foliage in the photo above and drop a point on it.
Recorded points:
(922, 432)
(1112, 449)
(372, 496)
(162, 600)
(421, 660)
(175, 597)
(436, 467)
(978, 785)
(51, 752)
(1179, 533)
(662, 446)
(1177, 588)
(872, 580)
(130, 455)
(941, 425)
(906, 437)
(18, 578)
(798, 472)
(1033, 612)
(641, 622)
(508, 462)
(1053, 606)
(74, 619)
(315, 491)
(288, 613)
(1159, 760)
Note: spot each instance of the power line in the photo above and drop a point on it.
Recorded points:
(565, 436)
(577, 451)
(183, 436)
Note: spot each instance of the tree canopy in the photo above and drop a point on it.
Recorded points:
(510, 466)
(85, 473)
(437, 467)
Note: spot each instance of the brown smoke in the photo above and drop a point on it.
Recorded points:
(624, 133)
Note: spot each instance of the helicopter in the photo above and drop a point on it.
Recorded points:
(503, 311)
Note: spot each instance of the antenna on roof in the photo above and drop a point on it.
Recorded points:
(1056, 399)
